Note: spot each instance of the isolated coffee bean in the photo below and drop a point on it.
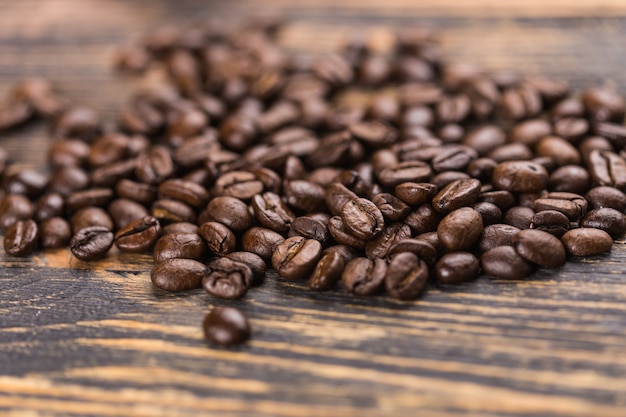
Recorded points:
(54, 233)
(363, 276)
(460, 229)
(226, 278)
(178, 274)
(586, 241)
(91, 243)
(139, 235)
(505, 263)
(226, 326)
(219, 239)
(327, 272)
(21, 238)
(296, 257)
(610, 220)
(457, 267)
(406, 276)
(184, 245)
(540, 248)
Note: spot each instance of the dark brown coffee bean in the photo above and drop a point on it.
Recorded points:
(239, 184)
(310, 228)
(424, 250)
(261, 241)
(21, 238)
(124, 211)
(505, 263)
(607, 168)
(304, 195)
(49, 205)
(520, 176)
(606, 196)
(587, 241)
(107, 149)
(336, 195)
(444, 178)
(252, 260)
(570, 179)
(603, 105)
(231, 212)
(226, 326)
(327, 272)
(91, 216)
(379, 246)
(415, 193)
(272, 212)
(423, 219)
(551, 221)
(497, 235)
(94, 197)
(574, 206)
(362, 218)
(453, 109)
(409, 171)
(54, 233)
(501, 198)
(373, 133)
(519, 216)
(348, 253)
(457, 194)
(485, 139)
(560, 150)
(391, 207)
(511, 152)
(169, 211)
(489, 212)
(24, 180)
(14, 207)
(186, 124)
(610, 220)
(139, 192)
(68, 153)
(180, 227)
(457, 267)
(530, 132)
(363, 276)
(540, 248)
(91, 243)
(188, 192)
(406, 276)
(453, 158)
(296, 257)
(521, 102)
(460, 229)
(109, 175)
(178, 274)
(226, 278)
(183, 245)
(139, 235)
(219, 238)
(77, 122)
(155, 166)
(481, 169)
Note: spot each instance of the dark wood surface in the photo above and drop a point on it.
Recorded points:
(97, 339)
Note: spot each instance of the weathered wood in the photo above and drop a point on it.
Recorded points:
(97, 339)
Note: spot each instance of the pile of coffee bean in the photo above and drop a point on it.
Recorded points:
(383, 167)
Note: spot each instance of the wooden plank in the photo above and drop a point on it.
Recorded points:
(97, 339)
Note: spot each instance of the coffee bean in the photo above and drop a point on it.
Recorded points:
(505, 263)
(610, 220)
(164, 210)
(531, 132)
(272, 212)
(296, 257)
(261, 241)
(183, 245)
(310, 228)
(391, 207)
(348, 253)
(560, 150)
(379, 246)
(415, 193)
(540, 248)
(253, 261)
(551, 221)
(489, 212)
(519, 216)
(457, 194)
(373, 133)
(124, 212)
(304, 195)
(54, 233)
(91, 216)
(362, 218)
(605, 196)
(586, 241)
(68, 153)
(21, 238)
(460, 229)
(423, 219)
(139, 235)
(520, 176)
(109, 175)
(327, 272)
(226, 326)
(485, 139)
(180, 227)
(136, 191)
(178, 274)
(231, 212)
(155, 166)
(406, 276)
(497, 235)
(457, 267)
(14, 207)
(239, 184)
(219, 238)
(603, 105)
(409, 171)
(187, 192)
(572, 205)
(77, 122)
(226, 278)
(570, 178)
(49, 205)
(99, 197)
(91, 243)
(607, 168)
(363, 276)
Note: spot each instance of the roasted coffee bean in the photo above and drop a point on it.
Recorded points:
(91, 216)
(485, 139)
(519, 216)
(363, 276)
(91, 243)
(14, 207)
(24, 180)
(348, 253)
(610, 220)
(239, 184)
(336, 195)
(178, 274)
(457, 194)
(188, 192)
(409, 171)
(219, 238)
(296, 257)
(540, 248)
(489, 212)
(139, 235)
(261, 241)
(605, 196)
(182, 245)
(481, 169)
(310, 228)
(139, 192)
(457, 267)
(49, 205)
(272, 212)
(406, 276)
(460, 229)
(304, 195)
(444, 178)
(551, 221)
(170, 211)
(124, 211)
(391, 207)
(379, 246)
(21, 238)
(362, 218)
(327, 272)
(373, 133)
(453, 158)
(603, 105)
(226, 326)
(574, 206)
(68, 153)
(511, 152)
(531, 132)
(586, 241)
(424, 250)
(501, 198)
(520, 176)
(109, 175)
(231, 212)
(180, 227)
(107, 149)
(155, 166)
(77, 122)
(226, 278)
(423, 219)
(341, 235)
(607, 168)
(521, 102)
(570, 179)
(252, 260)
(505, 263)
(415, 193)
(54, 233)
(98, 197)
(560, 150)
(497, 235)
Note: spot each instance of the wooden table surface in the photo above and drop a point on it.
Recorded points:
(99, 340)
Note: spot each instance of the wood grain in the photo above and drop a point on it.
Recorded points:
(98, 340)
